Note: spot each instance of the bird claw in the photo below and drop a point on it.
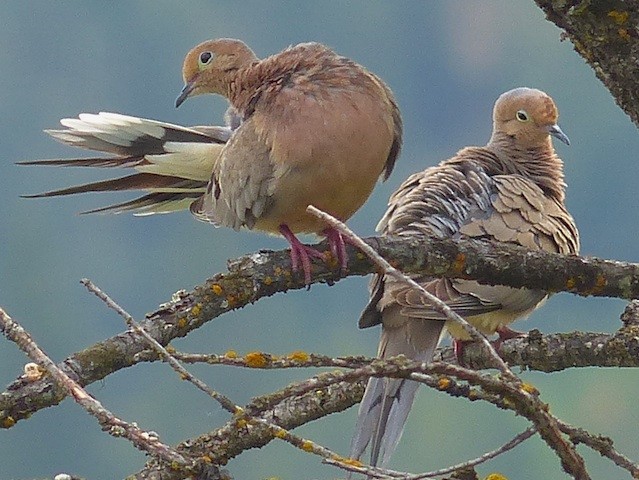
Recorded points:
(300, 254)
(506, 333)
(337, 244)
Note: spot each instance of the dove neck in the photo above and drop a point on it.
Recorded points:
(538, 162)
(243, 85)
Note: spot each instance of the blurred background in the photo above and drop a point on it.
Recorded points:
(447, 62)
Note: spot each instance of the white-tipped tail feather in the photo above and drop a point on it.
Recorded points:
(174, 163)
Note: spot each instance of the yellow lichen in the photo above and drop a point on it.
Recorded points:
(601, 281)
(206, 459)
(460, 262)
(256, 360)
(170, 349)
(240, 423)
(279, 433)
(348, 461)
(623, 33)
(570, 283)
(267, 280)
(217, 290)
(620, 18)
(330, 260)
(307, 446)
(182, 322)
(528, 388)
(196, 309)
(230, 354)
(8, 422)
(444, 383)
(299, 356)
(496, 476)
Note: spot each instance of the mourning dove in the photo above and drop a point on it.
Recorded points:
(512, 191)
(306, 126)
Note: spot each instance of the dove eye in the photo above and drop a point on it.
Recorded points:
(205, 58)
(522, 116)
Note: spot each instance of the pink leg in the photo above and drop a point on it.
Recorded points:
(300, 253)
(506, 333)
(458, 349)
(338, 246)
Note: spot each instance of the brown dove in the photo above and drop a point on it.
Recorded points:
(305, 126)
(512, 190)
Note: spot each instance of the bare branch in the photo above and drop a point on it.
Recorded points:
(333, 391)
(534, 351)
(143, 440)
(263, 274)
(381, 473)
(601, 444)
(241, 417)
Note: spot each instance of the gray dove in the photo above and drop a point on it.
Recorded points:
(512, 190)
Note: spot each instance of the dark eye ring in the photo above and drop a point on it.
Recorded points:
(205, 58)
(522, 116)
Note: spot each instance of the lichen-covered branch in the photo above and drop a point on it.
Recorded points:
(606, 35)
(329, 392)
(266, 273)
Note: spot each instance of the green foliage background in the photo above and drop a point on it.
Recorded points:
(446, 61)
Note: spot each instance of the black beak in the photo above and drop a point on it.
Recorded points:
(556, 132)
(186, 91)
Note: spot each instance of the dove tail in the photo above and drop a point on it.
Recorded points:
(382, 418)
(387, 401)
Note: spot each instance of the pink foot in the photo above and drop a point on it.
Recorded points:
(337, 244)
(506, 333)
(458, 349)
(300, 253)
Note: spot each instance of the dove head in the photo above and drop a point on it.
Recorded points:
(527, 116)
(209, 67)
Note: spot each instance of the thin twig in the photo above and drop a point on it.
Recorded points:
(264, 360)
(242, 418)
(224, 401)
(143, 440)
(381, 472)
(601, 444)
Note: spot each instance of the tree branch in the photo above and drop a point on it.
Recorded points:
(266, 273)
(605, 34)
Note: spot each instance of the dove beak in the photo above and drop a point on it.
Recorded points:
(186, 92)
(556, 132)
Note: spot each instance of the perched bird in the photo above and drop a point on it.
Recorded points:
(305, 126)
(512, 191)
